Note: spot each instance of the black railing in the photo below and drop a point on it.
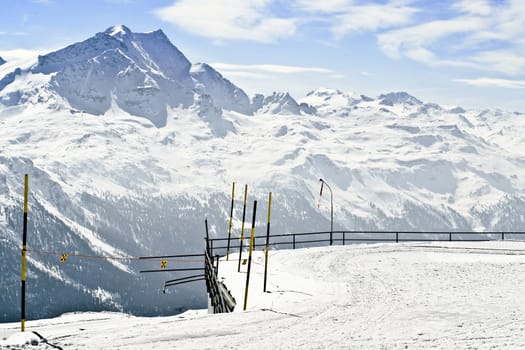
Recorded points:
(306, 239)
(221, 299)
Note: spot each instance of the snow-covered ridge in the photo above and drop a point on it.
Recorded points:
(144, 74)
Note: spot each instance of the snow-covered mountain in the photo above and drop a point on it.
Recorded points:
(129, 146)
(226, 95)
(280, 103)
(142, 74)
(394, 98)
(2, 61)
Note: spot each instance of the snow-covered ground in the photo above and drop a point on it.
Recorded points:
(410, 295)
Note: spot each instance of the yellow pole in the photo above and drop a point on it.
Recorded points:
(242, 227)
(267, 241)
(230, 227)
(252, 238)
(24, 250)
(244, 212)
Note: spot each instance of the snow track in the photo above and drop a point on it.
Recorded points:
(395, 296)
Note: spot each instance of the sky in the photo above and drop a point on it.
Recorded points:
(467, 52)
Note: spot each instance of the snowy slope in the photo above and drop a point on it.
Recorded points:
(129, 147)
(416, 295)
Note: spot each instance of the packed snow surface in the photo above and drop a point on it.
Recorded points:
(396, 296)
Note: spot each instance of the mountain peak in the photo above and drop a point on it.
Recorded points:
(278, 103)
(141, 73)
(393, 98)
(118, 30)
(329, 101)
(159, 34)
(2, 61)
(324, 91)
(223, 92)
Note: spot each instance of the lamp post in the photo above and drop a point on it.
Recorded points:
(331, 208)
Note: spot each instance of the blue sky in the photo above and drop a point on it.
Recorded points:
(469, 53)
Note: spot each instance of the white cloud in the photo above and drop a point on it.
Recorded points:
(371, 18)
(510, 21)
(503, 61)
(473, 39)
(476, 7)
(494, 82)
(347, 16)
(394, 42)
(13, 33)
(472, 34)
(327, 6)
(256, 20)
(271, 68)
(243, 74)
(228, 19)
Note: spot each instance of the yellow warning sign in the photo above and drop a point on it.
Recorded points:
(163, 264)
(63, 258)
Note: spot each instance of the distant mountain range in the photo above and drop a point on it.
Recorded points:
(129, 147)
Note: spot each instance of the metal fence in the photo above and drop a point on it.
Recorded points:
(221, 299)
(218, 246)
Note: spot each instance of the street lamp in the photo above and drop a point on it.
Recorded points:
(331, 208)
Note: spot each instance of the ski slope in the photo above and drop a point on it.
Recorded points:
(395, 296)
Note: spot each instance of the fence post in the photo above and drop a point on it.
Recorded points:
(24, 250)
(250, 257)
(331, 208)
(267, 242)
(242, 227)
(293, 241)
(502, 236)
(397, 237)
(208, 248)
(217, 267)
(450, 236)
(343, 238)
(230, 227)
